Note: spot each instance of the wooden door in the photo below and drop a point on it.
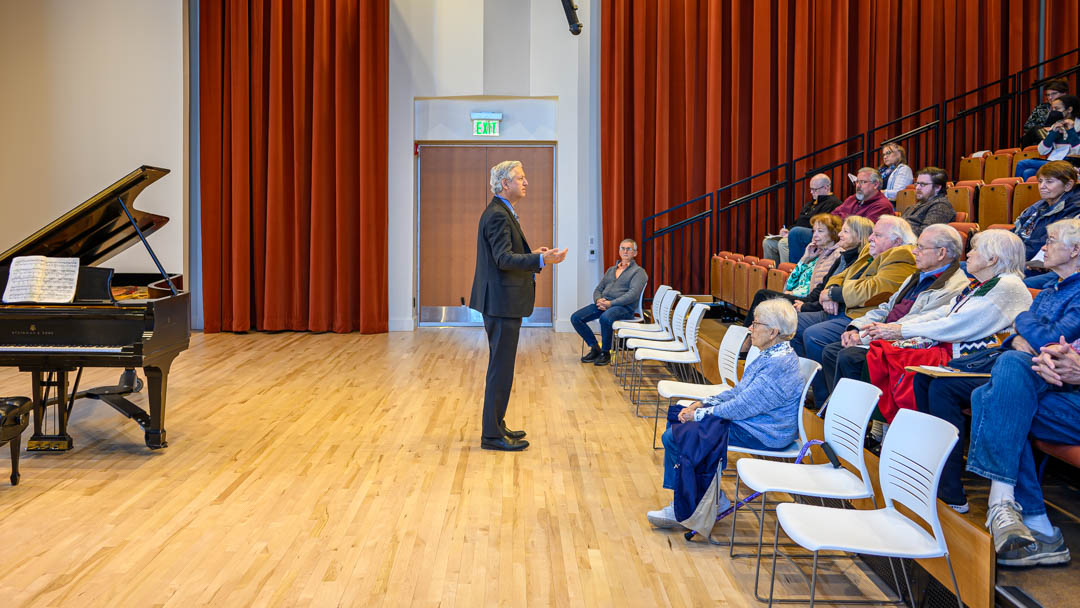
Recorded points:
(453, 192)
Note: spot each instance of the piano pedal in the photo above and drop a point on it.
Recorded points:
(49, 443)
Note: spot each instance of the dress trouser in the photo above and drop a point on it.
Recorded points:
(502, 333)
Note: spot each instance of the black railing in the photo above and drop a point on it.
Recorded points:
(677, 242)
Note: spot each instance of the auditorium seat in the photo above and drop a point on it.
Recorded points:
(714, 276)
(740, 297)
(905, 198)
(971, 168)
(962, 196)
(777, 277)
(1026, 153)
(995, 201)
(1025, 195)
(756, 279)
(765, 263)
(966, 229)
(999, 164)
(1065, 453)
(1008, 227)
(727, 280)
(961, 216)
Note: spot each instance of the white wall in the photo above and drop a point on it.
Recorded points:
(90, 91)
(469, 48)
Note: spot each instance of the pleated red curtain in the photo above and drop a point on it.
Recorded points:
(698, 93)
(293, 108)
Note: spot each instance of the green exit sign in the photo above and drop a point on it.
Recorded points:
(485, 128)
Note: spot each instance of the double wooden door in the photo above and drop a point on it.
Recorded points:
(453, 192)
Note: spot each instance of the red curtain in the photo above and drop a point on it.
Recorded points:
(700, 93)
(293, 110)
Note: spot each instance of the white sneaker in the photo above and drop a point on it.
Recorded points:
(964, 508)
(1006, 525)
(664, 518)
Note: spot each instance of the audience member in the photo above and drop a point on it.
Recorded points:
(1054, 313)
(931, 205)
(615, 298)
(822, 201)
(853, 236)
(763, 410)
(977, 319)
(885, 263)
(1061, 140)
(1052, 89)
(823, 251)
(895, 173)
(932, 286)
(1060, 200)
(868, 201)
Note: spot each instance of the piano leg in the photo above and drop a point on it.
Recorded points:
(61, 441)
(15, 443)
(39, 402)
(156, 382)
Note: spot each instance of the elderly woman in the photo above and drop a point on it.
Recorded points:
(1060, 200)
(850, 237)
(895, 173)
(761, 412)
(976, 319)
(1054, 313)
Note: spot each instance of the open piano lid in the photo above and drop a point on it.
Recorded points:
(97, 229)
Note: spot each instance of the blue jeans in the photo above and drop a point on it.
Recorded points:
(736, 436)
(1029, 166)
(1041, 281)
(813, 341)
(798, 238)
(1014, 407)
(580, 321)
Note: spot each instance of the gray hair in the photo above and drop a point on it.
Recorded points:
(899, 229)
(1006, 247)
(1066, 231)
(778, 314)
(824, 180)
(874, 175)
(945, 236)
(500, 172)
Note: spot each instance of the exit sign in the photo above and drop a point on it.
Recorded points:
(486, 128)
(486, 124)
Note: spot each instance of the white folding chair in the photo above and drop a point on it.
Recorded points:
(846, 417)
(682, 353)
(662, 312)
(637, 321)
(912, 458)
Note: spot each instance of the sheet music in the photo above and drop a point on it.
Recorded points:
(36, 278)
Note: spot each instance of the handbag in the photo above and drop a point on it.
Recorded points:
(978, 362)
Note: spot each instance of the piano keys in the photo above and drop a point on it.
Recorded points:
(52, 341)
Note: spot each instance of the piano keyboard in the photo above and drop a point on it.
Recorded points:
(54, 348)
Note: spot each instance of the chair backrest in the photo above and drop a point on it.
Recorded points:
(727, 280)
(727, 356)
(1024, 196)
(912, 458)
(752, 354)
(638, 312)
(847, 415)
(905, 198)
(693, 323)
(657, 301)
(678, 319)
(808, 368)
(665, 309)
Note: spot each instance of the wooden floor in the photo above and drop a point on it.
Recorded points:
(324, 470)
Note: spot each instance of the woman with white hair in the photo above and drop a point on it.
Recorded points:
(760, 412)
(978, 318)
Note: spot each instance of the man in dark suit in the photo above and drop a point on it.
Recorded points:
(503, 291)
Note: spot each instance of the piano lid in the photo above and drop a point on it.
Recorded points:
(97, 229)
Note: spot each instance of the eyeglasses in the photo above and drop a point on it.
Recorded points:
(864, 181)
(921, 248)
(928, 184)
(627, 248)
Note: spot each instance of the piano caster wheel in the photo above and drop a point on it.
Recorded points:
(15, 479)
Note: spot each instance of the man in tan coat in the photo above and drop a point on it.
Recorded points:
(885, 263)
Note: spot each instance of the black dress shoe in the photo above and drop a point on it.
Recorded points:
(504, 444)
(591, 356)
(511, 434)
(603, 359)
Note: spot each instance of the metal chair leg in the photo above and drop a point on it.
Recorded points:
(813, 580)
(956, 588)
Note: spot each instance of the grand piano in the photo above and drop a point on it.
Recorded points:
(52, 341)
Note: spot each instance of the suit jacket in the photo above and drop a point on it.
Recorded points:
(503, 284)
(872, 280)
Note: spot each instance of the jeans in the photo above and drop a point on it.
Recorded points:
(1029, 166)
(736, 436)
(580, 321)
(776, 248)
(1041, 281)
(1015, 406)
(797, 239)
(947, 398)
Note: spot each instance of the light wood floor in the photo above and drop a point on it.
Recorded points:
(323, 470)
